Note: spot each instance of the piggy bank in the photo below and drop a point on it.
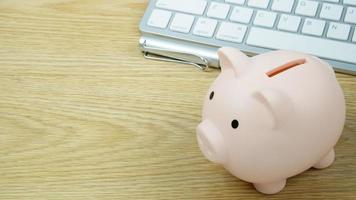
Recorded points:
(270, 117)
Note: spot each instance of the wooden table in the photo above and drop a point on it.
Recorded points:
(84, 116)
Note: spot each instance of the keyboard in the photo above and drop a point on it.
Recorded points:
(191, 31)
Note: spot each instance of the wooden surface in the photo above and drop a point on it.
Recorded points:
(84, 116)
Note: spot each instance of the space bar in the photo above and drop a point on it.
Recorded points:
(329, 49)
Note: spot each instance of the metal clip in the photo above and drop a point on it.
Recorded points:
(153, 54)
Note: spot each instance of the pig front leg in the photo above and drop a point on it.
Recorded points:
(326, 161)
(270, 188)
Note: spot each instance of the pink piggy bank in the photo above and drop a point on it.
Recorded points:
(272, 116)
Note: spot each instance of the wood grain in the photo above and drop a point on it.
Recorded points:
(84, 116)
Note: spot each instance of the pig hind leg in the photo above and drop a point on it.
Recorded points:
(326, 161)
(270, 188)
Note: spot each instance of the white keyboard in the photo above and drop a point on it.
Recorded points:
(325, 28)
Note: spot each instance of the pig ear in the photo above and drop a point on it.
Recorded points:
(231, 58)
(278, 104)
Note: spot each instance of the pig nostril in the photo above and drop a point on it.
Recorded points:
(235, 124)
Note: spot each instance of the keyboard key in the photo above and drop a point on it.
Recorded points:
(289, 23)
(265, 18)
(313, 27)
(354, 37)
(205, 27)
(338, 31)
(241, 14)
(351, 15)
(331, 11)
(159, 18)
(241, 2)
(324, 48)
(350, 2)
(282, 5)
(196, 7)
(218, 10)
(333, 1)
(258, 3)
(307, 8)
(182, 23)
(231, 32)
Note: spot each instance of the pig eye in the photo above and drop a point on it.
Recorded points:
(234, 124)
(211, 95)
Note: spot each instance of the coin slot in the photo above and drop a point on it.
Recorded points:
(285, 67)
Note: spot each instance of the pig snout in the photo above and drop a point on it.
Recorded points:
(211, 142)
